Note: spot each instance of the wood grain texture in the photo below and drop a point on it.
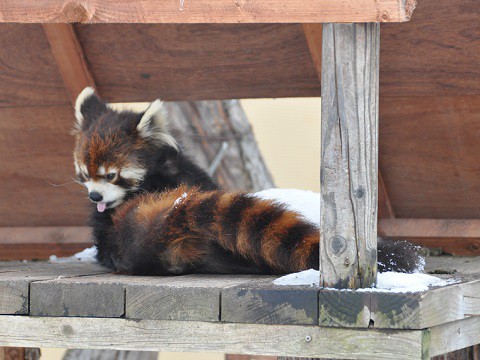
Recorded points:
(265, 303)
(248, 357)
(28, 75)
(428, 155)
(385, 207)
(453, 336)
(95, 296)
(158, 335)
(435, 54)
(207, 11)
(87, 354)
(453, 265)
(36, 153)
(454, 236)
(198, 62)
(15, 282)
(40, 242)
(68, 54)
(349, 154)
(193, 298)
(203, 126)
(385, 310)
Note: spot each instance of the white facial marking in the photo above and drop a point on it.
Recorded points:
(109, 192)
(133, 173)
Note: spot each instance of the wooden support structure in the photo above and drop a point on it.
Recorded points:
(79, 305)
(206, 11)
(453, 236)
(69, 57)
(349, 153)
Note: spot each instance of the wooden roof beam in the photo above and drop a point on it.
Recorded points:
(69, 57)
(206, 11)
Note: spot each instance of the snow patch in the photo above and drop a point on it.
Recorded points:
(386, 282)
(180, 199)
(304, 202)
(87, 255)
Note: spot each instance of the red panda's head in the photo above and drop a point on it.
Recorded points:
(113, 148)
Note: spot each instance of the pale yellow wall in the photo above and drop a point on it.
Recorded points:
(57, 354)
(288, 133)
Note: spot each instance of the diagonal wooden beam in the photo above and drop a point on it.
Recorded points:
(313, 36)
(69, 57)
(385, 208)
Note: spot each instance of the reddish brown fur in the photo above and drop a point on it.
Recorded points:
(185, 231)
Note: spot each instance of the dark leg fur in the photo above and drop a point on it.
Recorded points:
(398, 255)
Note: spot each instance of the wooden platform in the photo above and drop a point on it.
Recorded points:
(80, 305)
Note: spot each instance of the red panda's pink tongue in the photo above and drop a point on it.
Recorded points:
(101, 206)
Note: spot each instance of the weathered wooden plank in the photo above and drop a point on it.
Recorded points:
(95, 296)
(207, 11)
(68, 54)
(454, 336)
(265, 303)
(14, 283)
(198, 61)
(349, 155)
(161, 335)
(453, 265)
(385, 310)
(194, 298)
(248, 357)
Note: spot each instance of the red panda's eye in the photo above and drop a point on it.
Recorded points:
(110, 176)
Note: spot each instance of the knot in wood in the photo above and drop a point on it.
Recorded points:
(67, 329)
(359, 193)
(338, 244)
(384, 17)
(77, 12)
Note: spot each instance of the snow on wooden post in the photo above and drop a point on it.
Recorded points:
(349, 153)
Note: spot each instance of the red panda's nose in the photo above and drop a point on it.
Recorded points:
(95, 196)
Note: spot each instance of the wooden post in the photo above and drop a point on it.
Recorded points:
(349, 165)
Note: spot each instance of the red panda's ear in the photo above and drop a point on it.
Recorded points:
(88, 107)
(154, 125)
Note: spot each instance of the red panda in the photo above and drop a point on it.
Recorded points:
(186, 230)
(156, 213)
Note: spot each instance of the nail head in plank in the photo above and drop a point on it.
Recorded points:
(192, 297)
(181, 336)
(264, 303)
